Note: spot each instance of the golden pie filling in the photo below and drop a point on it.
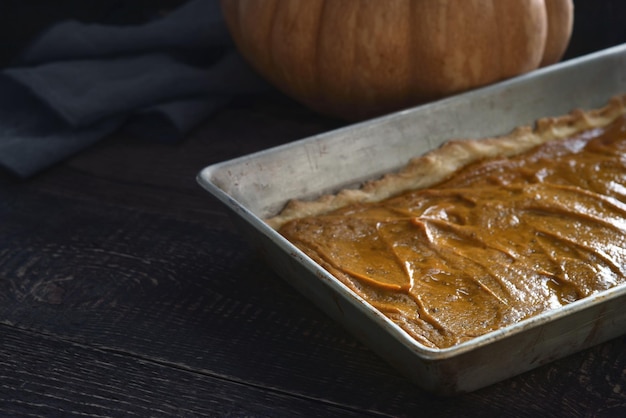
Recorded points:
(499, 241)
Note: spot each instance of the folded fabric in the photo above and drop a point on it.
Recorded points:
(77, 83)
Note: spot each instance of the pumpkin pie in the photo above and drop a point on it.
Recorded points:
(480, 234)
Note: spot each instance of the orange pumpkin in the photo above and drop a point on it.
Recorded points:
(356, 59)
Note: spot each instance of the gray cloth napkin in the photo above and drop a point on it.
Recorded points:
(78, 83)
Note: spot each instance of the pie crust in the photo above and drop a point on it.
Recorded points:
(437, 165)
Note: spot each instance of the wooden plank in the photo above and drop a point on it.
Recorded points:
(42, 376)
(195, 296)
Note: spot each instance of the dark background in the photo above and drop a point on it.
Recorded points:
(22, 20)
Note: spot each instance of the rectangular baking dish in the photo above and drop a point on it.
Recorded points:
(257, 186)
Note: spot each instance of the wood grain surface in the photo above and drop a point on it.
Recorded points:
(126, 291)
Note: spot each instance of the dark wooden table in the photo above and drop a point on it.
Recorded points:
(125, 291)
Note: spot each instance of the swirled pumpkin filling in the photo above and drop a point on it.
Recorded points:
(501, 240)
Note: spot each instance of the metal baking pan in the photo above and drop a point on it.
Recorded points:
(256, 186)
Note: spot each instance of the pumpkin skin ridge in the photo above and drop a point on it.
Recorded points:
(264, 65)
(310, 91)
(316, 95)
(355, 103)
(350, 87)
(532, 60)
(500, 68)
(375, 60)
(558, 35)
(316, 61)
